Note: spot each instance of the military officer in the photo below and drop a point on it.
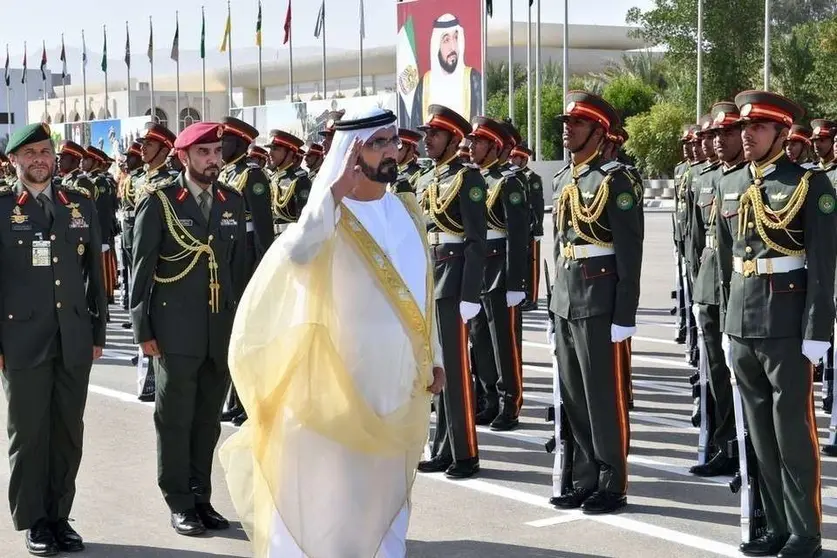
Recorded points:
(127, 206)
(254, 185)
(95, 165)
(798, 144)
(156, 146)
(189, 249)
(70, 155)
(54, 328)
(290, 185)
(776, 253)
(598, 255)
(681, 177)
(506, 273)
(520, 156)
(327, 132)
(313, 158)
(452, 197)
(703, 245)
(822, 142)
(258, 156)
(408, 168)
(173, 164)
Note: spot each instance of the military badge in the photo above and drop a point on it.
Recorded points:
(258, 188)
(80, 249)
(17, 216)
(515, 198)
(625, 201)
(303, 194)
(227, 220)
(476, 194)
(826, 203)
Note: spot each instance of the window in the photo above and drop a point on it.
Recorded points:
(4, 118)
(160, 117)
(189, 116)
(59, 118)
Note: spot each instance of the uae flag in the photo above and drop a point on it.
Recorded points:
(406, 65)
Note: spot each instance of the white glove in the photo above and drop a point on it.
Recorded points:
(539, 238)
(513, 298)
(105, 248)
(814, 350)
(620, 333)
(725, 344)
(695, 309)
(468, 310)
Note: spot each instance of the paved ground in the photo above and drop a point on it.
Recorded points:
(502, 513)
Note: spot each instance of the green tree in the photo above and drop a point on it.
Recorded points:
(497, 77)
(789, 13)
(654, 138)
(629, 95)
(552, 106)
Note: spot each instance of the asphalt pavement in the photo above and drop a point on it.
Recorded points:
(503, 512)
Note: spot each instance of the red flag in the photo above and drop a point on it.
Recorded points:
(287, 24)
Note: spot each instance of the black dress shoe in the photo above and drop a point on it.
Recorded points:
(463, 469)
(435, 465)
(768, 544)
(719, 465)
(240, 419)
(228, 416)
(504, 422)
(603, 501)
(66, 537)
(127, 325)
(40, 541)
(572, 499)
(802, 547)
(488, 414)
(828, 449)
(211, 518)
(187, 523)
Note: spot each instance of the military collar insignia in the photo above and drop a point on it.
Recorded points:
(588, 195)
(727, 170)
(62, 197)
(779, 196)
(182, 195)
(220, 195)
(582, 170)
(22, 197)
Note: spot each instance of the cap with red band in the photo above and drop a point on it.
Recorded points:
(724, 114)
(235, 127)
(491, 129)
(72, 148)
(581, 104)
(409, 136)
(521, 151)
(135, 148)
(315, 149)
(443, 118)
(800, 132)
(98, 154)
(764, 106)
(256, 151)
(823, 128)
(159, 133)
(705, 125)
(280, 138)
(199, 133)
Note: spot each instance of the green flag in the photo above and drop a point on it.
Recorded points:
(105, 51)
(203, 34)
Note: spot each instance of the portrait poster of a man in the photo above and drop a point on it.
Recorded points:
(439, 58)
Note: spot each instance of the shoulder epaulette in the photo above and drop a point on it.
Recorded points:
(514, 168)
(508, 172)
(810, 166)
(162, 183)
(560, 172)
(710, 168)
(6, 190)
(228, 188)
(611, 166)
(471, 166)
(76, 190)
(253, 165)
(740, 165)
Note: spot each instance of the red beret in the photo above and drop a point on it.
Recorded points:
(198, 133)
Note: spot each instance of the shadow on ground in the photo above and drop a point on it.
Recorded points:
(480, 549)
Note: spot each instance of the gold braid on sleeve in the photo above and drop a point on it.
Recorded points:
(193, 248)
(766, 218)
(438, 206)
(571, 197)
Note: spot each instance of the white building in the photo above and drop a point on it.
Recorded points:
(13, 99)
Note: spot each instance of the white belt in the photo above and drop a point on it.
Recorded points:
(710, 242)
(767, 266)
(282, 227)
(250, 227)
(573, 252)
(444, 238)
(494, 235)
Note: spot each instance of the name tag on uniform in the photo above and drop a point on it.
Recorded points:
(22, 227)
(186, 222)
(79, 223)
(731, 196)
(227, 220)
(41, 253)
(706, 190)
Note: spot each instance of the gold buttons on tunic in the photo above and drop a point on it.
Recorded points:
(757, 182)
(211, 237)
(603, 270)
(20, 242)
(58, 282)
(748, 249)
(164, 304)
(790, 286)
(750, 225)
(52, 237)
(58, 305)
(55, 259)
(11, 317)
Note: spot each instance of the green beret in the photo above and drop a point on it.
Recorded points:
(32, 133)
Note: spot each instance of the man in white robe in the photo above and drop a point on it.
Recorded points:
(335, 354)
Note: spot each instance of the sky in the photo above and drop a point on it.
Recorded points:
(53, 17)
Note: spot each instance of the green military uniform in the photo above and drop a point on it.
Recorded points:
(452, 197)
(598, 257)
(408, 176)
(188, 275)
(53, 309)
(290, 189)
(128, 207)
(535, 200)
(776, 253)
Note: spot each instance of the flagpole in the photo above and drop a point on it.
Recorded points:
(360, 62)
(229, 58)
(699, 45)
(291, 56)
(104, 60)
(538, 83)
(259, 31)
(203, 64)
(128, 64)
(177, 69)
(484, 15)
(323, 31)
(511, 60)
(8, 97)
(767, 45)
(151, 61)
(43, 75)
(25, 86)
(64, 78)
(529, 74)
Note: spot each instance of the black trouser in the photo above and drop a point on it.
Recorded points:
(592, 392)
(776, 384)
(127, 241)
(187, 417)
(719, 376)
(483, 361)
(46, 429)
(456, 436)
(505, 326)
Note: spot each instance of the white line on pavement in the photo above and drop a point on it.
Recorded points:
(557, 520)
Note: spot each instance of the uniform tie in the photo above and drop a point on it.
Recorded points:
(205, 198)
(46, 205)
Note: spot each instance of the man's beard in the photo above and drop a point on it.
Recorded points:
(449, 67)
(38, 175)
(386, 172)
(208, 175)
